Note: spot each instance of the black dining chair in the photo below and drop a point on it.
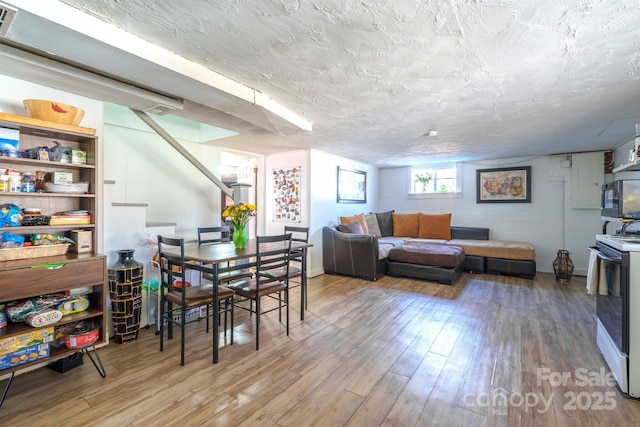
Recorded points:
(274, 285)
(229, 271)
(176, 297)
(298, 267)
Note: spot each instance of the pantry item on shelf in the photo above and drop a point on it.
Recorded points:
(67, 187)
(83, 334)
(15, 184)
(60, 153)
(40, 176)
(44, 317)
(33, 216)
(79, 212)
(53, 111)
(19, 310)
(69, 219)
(28, 182)
(31, 211)
(73, 305)
(49, 239)
(10, 215)
(9, 240)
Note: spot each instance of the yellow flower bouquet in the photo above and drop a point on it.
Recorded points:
(239, 215)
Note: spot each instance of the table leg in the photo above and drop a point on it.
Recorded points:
(303, 285)
(216, 320)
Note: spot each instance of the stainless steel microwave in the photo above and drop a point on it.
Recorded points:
(621, 199)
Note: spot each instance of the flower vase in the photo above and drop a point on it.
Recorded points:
(239, 237)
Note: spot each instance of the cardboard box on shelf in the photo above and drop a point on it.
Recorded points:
(83, 239)
(60, 177)
(24, 355)
(15, 343)
(9, 139)
(69, 219)
(78, 157)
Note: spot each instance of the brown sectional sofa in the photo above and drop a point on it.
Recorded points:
(367, 256)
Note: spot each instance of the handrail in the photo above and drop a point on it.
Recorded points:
(186, 154)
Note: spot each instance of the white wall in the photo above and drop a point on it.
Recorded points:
(147, 170)
(323, 205)
(542, 222)
(319, 206)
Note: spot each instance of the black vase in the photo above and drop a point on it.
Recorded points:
(125, 290)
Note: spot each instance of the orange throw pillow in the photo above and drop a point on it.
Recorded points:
(356, 218)
(435, 226)
(406, 225)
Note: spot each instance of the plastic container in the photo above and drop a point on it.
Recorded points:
(4, 183)
(84, 335)
(15, 184)
(28, 183)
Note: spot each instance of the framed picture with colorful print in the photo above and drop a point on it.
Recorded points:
(504, 185)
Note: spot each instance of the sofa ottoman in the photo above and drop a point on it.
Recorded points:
(427, 261)
(501, 256)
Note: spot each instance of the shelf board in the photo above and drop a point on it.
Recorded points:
(29, 121)
(45, 163)
(628, 167)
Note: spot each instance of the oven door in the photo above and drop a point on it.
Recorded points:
(613, 308)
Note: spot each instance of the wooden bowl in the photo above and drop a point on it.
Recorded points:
(52, 111)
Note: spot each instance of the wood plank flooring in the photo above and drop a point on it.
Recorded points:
(395, 352)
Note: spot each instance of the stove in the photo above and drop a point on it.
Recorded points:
(621, 242)
(618, 308)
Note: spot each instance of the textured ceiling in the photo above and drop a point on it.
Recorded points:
(495, 79)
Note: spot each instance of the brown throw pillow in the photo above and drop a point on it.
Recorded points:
(435, 226)
(372, 224)
(406, 225)
(355, 218)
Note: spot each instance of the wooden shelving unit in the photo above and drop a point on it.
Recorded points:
(27, 278)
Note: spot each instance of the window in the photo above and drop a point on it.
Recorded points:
(442, 179)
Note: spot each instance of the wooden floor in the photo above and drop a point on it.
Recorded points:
(489, 350)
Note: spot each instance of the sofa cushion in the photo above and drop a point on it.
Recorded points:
(428, 254)
(393, 241)
(383, 250)
(385, 223)
(435, 226)
(406, 225)
(372, 224)
(496, 249)
(353, 228)
(355, 218)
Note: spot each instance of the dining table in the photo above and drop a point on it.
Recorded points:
(208, 258)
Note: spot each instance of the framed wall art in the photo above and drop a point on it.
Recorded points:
(352, 186)
(286, 194)
(504, 185)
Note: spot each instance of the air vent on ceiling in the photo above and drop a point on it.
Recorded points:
(6, 16)
(160, 109)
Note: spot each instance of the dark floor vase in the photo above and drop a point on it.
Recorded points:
(125, 290)
(563, 266)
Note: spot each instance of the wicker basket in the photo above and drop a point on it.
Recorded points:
(33, 251)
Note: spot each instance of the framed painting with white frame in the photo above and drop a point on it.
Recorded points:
(352, 186)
